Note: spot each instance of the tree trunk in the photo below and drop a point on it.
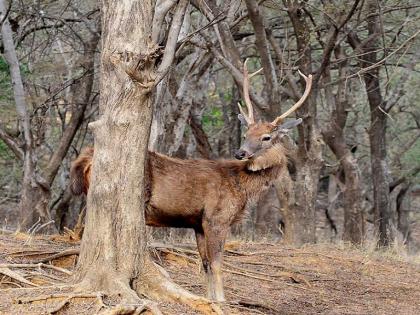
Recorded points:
(113, 255)
(403, 210)
(378, 122)
(333, 134)
(379, 164)
(300, 214)
(353, 214)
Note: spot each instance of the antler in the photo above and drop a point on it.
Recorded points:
(250, 117)
(308, 80)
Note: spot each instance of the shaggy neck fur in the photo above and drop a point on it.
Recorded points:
(263, 170)
(274, 156)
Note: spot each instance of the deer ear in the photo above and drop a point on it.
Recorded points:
(242, 120)
(289, 124)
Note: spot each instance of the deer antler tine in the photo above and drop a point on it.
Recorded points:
(255, 73)
(308, 80)
(247, 99)
(301, 74)
(243, 113)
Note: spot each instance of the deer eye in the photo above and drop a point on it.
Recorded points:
(266, 138)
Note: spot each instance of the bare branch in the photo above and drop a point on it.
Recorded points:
(162, 7)
(236, 74)
(81, 92)
(261, 42)
(170, 48)
(11, 143)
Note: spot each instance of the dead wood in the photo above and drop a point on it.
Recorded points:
(67, 252)
(14, 275)
(40, 265)
(59, 296)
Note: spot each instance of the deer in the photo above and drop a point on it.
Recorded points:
(209, 196)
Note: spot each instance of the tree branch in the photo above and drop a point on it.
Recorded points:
(261, 42)
(170, 48)
(11, 143)
(162, 7)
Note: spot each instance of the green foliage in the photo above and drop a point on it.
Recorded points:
(5, 82)
(6, 93)
(213, 117)
(5, 153)
(412, 159)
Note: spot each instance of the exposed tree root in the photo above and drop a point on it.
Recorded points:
(131, 309)
(159, 286)
(60, 306)
(114, 283)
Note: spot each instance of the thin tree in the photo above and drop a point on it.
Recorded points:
(378, 119)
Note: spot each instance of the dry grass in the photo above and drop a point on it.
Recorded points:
(260, 278)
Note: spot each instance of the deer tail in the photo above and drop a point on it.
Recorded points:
(80, 172)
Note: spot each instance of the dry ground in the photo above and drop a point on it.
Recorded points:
(260, 278)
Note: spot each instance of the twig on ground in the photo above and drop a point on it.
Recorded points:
(67, 252)
(12, 283)
(295, 278)
(159, 246)
(248, 275)
(35, 252)
(58, 296)
(14, 275)
(45, 275)
(40, 265)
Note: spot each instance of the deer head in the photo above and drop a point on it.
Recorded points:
(262, 136)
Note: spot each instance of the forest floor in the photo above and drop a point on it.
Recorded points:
(260, 278)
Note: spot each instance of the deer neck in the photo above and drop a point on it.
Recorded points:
(262, 171)
(273, 157)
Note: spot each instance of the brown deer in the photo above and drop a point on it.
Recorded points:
(209, 196)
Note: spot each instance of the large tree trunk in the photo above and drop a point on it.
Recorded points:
(114, 256)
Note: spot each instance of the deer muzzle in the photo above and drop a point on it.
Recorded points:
(242, 155)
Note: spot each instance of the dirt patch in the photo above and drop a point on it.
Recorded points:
(259, 279)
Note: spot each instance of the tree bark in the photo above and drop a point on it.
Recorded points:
(403, 213)
(353, 213)
(300, 199)
(113, 255)
(333, 134)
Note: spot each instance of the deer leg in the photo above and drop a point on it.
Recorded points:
(215, 239)
(201, 246)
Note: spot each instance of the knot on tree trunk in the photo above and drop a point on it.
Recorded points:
(138, 66)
